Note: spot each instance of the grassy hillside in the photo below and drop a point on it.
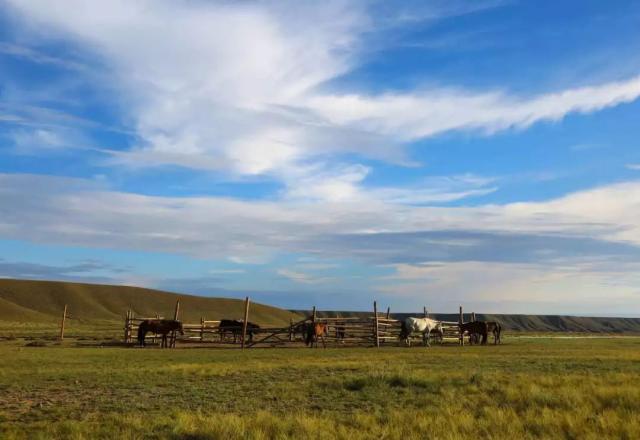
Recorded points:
(536, 323)
(43, 302)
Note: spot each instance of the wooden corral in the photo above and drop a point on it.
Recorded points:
(376, 330)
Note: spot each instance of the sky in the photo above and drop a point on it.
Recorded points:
(427, 153)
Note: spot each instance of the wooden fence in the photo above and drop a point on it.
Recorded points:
(375, 330)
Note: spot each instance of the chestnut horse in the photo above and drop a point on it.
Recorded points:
(159, 326)
(315, 331)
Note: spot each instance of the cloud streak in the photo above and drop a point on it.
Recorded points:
(79, 212)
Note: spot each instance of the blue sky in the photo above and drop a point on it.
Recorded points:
(329, 154)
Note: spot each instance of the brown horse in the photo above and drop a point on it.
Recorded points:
(315, 331)
(234, 327)
(479, 328)
(495, 328)
(159, 326)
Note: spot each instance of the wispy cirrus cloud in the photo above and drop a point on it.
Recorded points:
(263, 105)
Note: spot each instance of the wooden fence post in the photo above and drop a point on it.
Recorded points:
(290, 329)
(375, 328)
(388, 312)
(201, 328)
(245, 322)
(155, 334)
(461, 321)
(176, 313)
(426, 313)
(473, 316)
(127, 319)
(313, 315)
(64, 317)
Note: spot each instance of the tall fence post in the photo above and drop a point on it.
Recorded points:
(313, 315)
(127, 319)
(426, 313)
(154, 333)
(176, 313)
(461, 321)
(62, 322)
(290, 329)
(375, 328)
(245, 322)
(202, 329)
(473, 316)
(388, 312)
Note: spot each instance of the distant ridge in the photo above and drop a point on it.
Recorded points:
(43, 302)
(537, 323)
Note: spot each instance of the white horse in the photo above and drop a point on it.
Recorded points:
(420, 325)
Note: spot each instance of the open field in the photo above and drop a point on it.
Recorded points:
(526, 388)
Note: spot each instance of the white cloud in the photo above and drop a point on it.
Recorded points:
(516, 287)
(634, 166)
(75, 211)
(427, 113)
(241, 87)
(46, 140)
(299, 277)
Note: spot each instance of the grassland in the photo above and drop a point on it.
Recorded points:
(40, 303)
(526, 388)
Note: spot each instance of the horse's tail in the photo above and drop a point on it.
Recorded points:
(404, 331)
(142, 332)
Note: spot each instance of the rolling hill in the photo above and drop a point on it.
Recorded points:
(43, 302)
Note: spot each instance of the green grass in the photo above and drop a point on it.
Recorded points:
(526, 388)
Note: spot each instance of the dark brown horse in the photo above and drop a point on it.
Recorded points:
(478, 328)
(234, 327)
(159, 326)
(315, 331)
(495, 328)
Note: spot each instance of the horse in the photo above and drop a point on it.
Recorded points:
(315, 331)
(159, 326)
(495, 328)
(234, 327)
(420, 325)
(475, 328)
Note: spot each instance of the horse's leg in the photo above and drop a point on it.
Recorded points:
(428, 335)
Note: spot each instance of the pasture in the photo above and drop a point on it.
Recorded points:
(525, 388)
